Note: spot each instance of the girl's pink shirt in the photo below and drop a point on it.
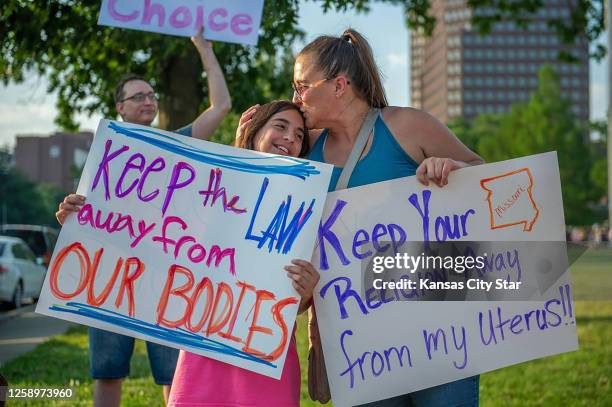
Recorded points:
(200, 381)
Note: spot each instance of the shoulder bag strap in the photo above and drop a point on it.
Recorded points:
(360, 142)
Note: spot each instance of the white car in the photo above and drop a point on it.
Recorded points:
(20, 275)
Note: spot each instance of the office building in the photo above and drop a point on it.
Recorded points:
(457, 72)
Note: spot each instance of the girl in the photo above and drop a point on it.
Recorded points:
(278, 128)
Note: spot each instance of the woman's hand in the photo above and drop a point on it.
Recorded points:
(244, 121)
(71, 204)
(436, 169)
(304, 279)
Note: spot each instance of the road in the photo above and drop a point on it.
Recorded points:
(22, 330)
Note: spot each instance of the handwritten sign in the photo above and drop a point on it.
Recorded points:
(234, 21)
(183, 242)
(380, 344)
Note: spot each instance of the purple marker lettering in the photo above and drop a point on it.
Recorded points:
(460, 345)
(118, 16)
(184, 20)
(379, 231)
(163, 238)
(424, 212)
(358, 242)
(199, 21)
(143, 230)
(103, 166)
(325, 233)
(343, 296)
(399, 239)
(157, 165)
(151, 10)
(240, 20)
(136, 161)
(175, 182)
(85, 215)
(217, 26)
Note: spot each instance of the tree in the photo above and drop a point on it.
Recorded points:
(24, 201)
(61, 39)
(84, 61)
(472, 132)
(19, 200)
(50, 195)
(542, 124)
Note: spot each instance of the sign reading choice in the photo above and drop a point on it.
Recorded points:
(183, 242)
(380, 344)
(235, 21)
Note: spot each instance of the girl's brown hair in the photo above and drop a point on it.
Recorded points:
(349, 54)
(261, 117)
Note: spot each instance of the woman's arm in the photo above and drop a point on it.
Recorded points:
(220, 101)
(431, 143)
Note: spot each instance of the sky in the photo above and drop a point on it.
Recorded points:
(28, 109)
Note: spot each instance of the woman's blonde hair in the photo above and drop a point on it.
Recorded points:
(349, 54)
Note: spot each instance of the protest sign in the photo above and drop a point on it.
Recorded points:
(381, 342)
(234, 21)
(183, 242)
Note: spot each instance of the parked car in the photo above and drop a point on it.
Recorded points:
(41, 239)
(21, 275)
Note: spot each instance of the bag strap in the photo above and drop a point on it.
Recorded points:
(358, 147)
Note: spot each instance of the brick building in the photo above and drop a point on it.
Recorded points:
(57, 159)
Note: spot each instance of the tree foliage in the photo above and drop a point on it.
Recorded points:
(83, 61)
(23, 201)
(544, 123)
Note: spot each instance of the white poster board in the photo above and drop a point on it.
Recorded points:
(380, 347)
(183, 242)
(234, 21)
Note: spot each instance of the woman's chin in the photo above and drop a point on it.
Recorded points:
(310, 124)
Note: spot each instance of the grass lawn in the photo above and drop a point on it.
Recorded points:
(581, 378)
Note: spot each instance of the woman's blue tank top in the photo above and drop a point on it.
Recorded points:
(386, 159)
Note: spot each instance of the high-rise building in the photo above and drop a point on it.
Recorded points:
(56, 159)
(457, 72)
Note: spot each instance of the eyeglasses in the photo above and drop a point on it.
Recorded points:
(299, 89)
(140, 97)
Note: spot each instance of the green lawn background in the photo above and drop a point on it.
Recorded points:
(579, 378)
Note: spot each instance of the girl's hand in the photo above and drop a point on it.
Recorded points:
(304, 277)
(71, 204)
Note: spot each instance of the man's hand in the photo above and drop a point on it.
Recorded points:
(71, 204)
(199, 41)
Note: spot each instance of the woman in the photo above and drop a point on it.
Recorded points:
(277, 128)
(336, 83)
